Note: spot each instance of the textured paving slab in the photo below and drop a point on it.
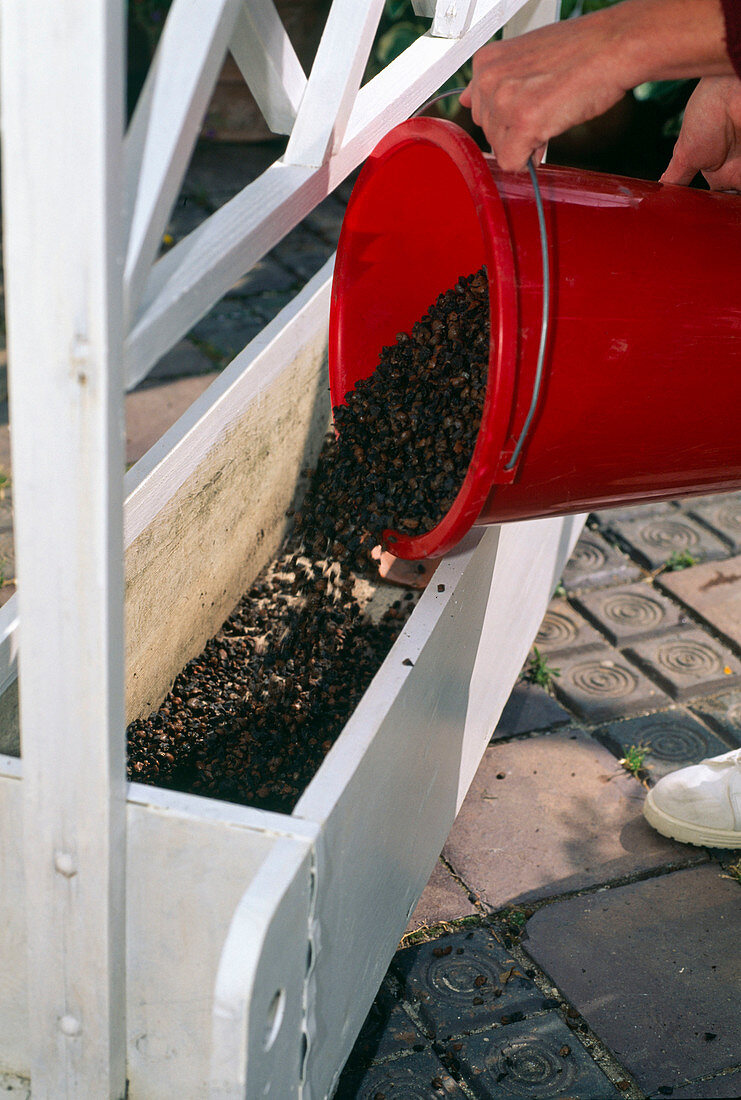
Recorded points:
(417, 1077)
(654, 540)
(564, 629)
(713, 592)
(443, 899)
(722, 515)
(723, 712)
(723, 1087)
(601, 684)
(594, 563)
(654, 968)
(674, 739)
(631, 612)
(688, 664)
(564, 816)
(529, 708)
(606, 517)
(387, 1032)
(463, 982)
(539, 1059)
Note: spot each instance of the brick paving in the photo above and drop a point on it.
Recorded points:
(561, 948)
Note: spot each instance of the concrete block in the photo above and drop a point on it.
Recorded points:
(631, 612)
(713, 593)
(674, 739)
(688, 663)
(601, 684)
(653, 541)
(595, 563)
(564, 629)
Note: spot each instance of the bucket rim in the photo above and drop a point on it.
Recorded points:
(491, 438)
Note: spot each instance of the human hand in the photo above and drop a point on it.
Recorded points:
(528, 89)
(710, 138)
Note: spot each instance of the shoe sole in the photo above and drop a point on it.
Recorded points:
(702, 835)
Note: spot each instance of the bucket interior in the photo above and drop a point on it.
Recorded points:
(424, 212)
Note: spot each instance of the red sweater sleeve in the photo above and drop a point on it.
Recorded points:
(732, 13)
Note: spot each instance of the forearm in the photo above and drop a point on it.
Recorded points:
(667, 39)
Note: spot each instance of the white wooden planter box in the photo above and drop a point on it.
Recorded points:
(256, 941)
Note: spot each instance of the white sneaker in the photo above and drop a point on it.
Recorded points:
(700, 804)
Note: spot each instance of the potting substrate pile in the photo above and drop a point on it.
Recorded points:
(252, 717)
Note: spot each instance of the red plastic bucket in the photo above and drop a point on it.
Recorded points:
(640, 395)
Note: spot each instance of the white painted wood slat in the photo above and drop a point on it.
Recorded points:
(187, 281)
(62, 99)
(268, 62)
(452, 18)
(166, 123)
(334, 81)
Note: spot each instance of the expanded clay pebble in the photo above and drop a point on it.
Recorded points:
(251, 719)
(406, 433)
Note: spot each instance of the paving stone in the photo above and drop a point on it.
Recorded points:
(688, 664)
(713, 593)
(387, 1032)
(151, 411)
(654, 540)
(631, 612)
(601, 684)
(723, 516)
(564, 629)
(529, 708)
(607, 517)
(443, 899)
(724, 1087)
(564, 816)
(464, 981)
(229, 326)
(303, 252)
(417, 1077)
(674, 738)
(267, 275)
(594, 563)
(722, 712)
(540, 1059)
(654, 968)
(184, 360)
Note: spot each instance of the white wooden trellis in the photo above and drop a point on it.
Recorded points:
(269, 915)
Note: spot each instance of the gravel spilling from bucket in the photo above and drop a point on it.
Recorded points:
(251, 719)
(406, 434)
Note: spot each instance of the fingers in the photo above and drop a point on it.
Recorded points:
(465, 98)
(679, 170)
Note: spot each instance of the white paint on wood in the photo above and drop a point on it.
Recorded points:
(266, 57)
(188, 279)
(62, 99)
(8, 642)
(334, 81)
(259, 994)
(166, 124)
(532, 14)
(452, 18)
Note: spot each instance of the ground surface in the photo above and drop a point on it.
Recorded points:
(561, 948)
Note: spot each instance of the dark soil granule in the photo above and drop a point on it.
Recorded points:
(406, 434)
(251, 719)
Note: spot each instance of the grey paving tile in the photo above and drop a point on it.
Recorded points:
(595, 562)
(713, 593)
(601, 684)
(443, 899)
(723, 712)
(267, 275)
(564, 629)
(417, 1077)
(688, 664)
(630, 612)
(529, 708)
(539, 1059)
(674, 738)
(723, 1087)
(184, 360)
(654, 967)
(722, 516)
(654, 540)
(606, 517)
(387, 1032)
(563, 816)
(230, 326)
(464, 981)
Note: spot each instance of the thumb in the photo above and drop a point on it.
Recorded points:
(465, 98)
(679, 170)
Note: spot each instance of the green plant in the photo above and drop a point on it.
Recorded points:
(734, 870)
(679, 559)
(539, 671)
(633, 760)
